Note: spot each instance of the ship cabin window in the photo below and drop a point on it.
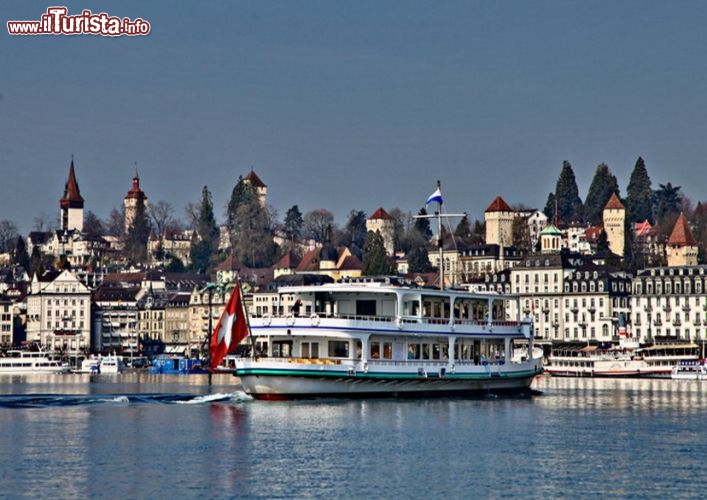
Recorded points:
(381, 350)
(310, 350)
(338, 349)
(365, 308)
(282, 348)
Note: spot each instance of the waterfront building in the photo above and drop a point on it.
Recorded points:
(383, 223)
(669, 304)
(59, 312)
(614, 218)
(205, 305)
(115, 318)
(6, 321)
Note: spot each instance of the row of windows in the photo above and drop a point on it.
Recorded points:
(661, 287)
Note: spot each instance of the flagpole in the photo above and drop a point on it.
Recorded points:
(247, 318)
(439, 240)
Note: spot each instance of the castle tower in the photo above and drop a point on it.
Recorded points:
(614, 217)
(135, 197)
(259, 186)
(381, 221)
(71, 204)
(499, 223)
(550, 240)
(681, 247)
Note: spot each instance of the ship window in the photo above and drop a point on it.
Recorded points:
(338, 349)
(365, 307)
(375, 350)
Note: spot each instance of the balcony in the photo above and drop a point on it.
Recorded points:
(647, 308)
(667, 309)
(677, 322)
(657, 322)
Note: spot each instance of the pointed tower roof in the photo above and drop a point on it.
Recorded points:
(254, 179)
(499, 205)
(380, 214)
(135, 191)
(681, 235)
(614, 203)
(72, 196)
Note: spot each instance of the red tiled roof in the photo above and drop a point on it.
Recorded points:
(498, 205)
(72, 197)
(380, 214)
(681, 235)
(135, 191)
(254, 179)
(614, 203)
(643, 228)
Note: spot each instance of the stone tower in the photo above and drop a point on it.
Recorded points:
(381, 221)
(259, 186)
(614, 217)
(499, 223)
(71, 204)
(681, 247)
(135, 197)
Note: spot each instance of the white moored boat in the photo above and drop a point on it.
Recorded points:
(593, 361)
(690, 370)
(20, 362)
(386, 339)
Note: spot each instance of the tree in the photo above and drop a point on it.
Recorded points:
(8, 235)
(667, 201)
(92, 226)
(206, 224)
(137, 236)
(569, 205)
(463, 230)
(422, 225)
(639, 195)
(550, 208)
(292, 225)
(191, 213)
(316, 224)
(44, 222)
(115, 225)
(521, 234)
(20, 257)
(355, 232)
(602, 243)
(175, 265)
(419, 261)
(36, 263)
(375, 261)
(604, 184)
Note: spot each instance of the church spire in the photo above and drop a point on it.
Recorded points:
(71, 204)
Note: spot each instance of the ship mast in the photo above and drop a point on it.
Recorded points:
(437, 198)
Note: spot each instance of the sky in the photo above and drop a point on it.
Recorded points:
(352, 105)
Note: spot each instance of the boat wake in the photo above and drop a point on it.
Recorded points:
(59, 400)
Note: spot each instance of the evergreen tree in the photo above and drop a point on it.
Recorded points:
(36, 263)
(603, 186)
(463, 230)
(569, 204)
(699, 231)
(375, 261)
(355, 232)
(206, 227)
(137, 236)
(175, 265)
(419, 261)
(666, 201)
(549, 210)
(20, 257)
(200, 254)
(639, 195)
(422, 225)
(292, 225)
(602, 243)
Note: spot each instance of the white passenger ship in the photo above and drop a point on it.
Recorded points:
(385, 339)
(20, 362)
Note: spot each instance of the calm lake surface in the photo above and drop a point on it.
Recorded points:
(150, 436)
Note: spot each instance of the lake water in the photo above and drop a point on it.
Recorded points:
(151, 436)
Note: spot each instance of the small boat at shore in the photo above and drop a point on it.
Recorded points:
(380, 338)
(690, 370)
(20, 362)
(176, 365)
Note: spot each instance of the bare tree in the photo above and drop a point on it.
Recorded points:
(316, 224)
(8, 235)
(115, 224)
(191, 210)
(161, 214)
(44, 222)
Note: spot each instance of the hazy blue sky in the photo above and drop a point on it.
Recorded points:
(352, 105)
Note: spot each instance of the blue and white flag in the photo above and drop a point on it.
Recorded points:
(435, 197)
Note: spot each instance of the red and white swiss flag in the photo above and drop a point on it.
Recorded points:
(230, 329)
